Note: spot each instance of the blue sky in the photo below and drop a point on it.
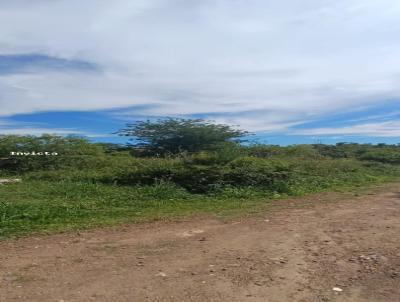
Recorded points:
(290, 71)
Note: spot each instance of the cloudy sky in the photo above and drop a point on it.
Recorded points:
(292, 71)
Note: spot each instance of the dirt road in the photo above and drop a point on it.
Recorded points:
(299, 250)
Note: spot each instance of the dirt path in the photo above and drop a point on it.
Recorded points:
(298, 251)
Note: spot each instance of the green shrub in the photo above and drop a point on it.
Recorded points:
(71, 152)
(389, 156)
(253, 171)
(199, 178)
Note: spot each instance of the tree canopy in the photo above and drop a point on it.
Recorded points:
(173, 135)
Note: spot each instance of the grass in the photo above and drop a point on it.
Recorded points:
(35, 206)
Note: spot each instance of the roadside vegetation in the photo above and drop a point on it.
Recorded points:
(173, 167)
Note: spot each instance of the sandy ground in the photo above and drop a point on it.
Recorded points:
(299, 250)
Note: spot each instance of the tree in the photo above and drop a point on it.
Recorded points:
(172, 135)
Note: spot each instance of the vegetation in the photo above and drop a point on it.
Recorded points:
(91, 184)
(173, 136)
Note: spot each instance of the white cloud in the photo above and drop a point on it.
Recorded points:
(302, 59)
(14, 128)
(383, 129)
(39, 131)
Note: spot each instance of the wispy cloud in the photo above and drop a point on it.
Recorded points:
(16, 128)
(39, 131)
(383, 129)
(34, 63)
(383, 116)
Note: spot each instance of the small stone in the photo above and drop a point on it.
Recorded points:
(161, 274)
(337, 289)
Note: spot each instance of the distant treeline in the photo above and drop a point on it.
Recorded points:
(274, 168)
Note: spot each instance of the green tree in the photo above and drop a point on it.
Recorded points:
(172, 136)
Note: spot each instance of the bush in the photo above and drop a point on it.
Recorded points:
(72, 151)
(252, 171)
(298, 151)
(144, 171)
(382, 155)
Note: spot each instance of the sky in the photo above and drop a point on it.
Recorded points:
(290, 71)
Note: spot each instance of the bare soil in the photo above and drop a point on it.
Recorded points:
(298, 250)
